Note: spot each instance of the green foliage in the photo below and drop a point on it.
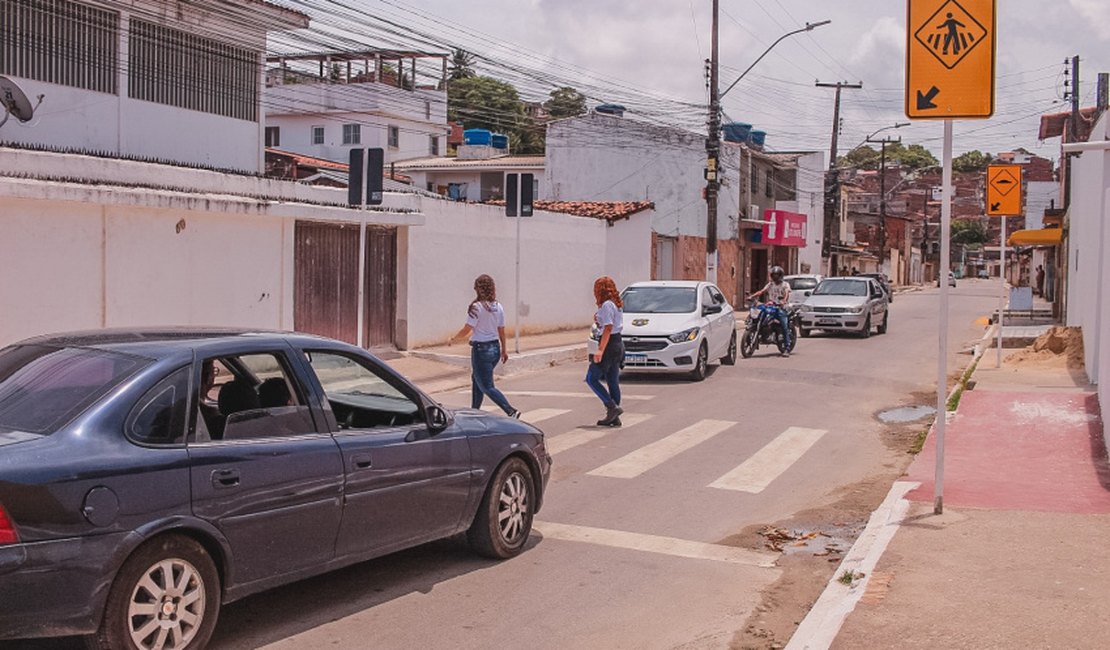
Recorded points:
(860, 158)
(461, 65)
(972, 161)
(565, 102)
(486, 103)
(910, 158)
(915, 157)
(965, 231)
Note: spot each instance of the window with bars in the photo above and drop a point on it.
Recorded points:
(173, 67)
(433, 145)
(317, 135)
(273, 136)
(394, 137)
(60, 42)
(352, 134)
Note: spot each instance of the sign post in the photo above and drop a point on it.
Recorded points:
(518, 203)
(1004, 193)
(949, 75)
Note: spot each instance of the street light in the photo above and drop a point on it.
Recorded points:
(713, 141)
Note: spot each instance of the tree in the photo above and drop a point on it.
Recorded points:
(461, 65)
(860, 158)
(972, 161)
(914, 156)
(565, 102)
(486, 103)
(967, 232)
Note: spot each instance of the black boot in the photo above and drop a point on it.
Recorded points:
(612, 416)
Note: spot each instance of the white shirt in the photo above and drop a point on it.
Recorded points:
(777, 292)
(609, 314)
(488, 316)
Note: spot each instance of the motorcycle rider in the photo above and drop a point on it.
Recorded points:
(778, 293)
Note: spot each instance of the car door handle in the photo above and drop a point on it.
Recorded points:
(361, 461)
(225, 478)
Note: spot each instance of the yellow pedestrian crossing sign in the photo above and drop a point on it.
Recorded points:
(950, 58)
(1004, 190)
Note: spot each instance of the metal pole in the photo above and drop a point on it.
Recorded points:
(1002, 296)
(516, 299)
(713, 152)
(942, 329)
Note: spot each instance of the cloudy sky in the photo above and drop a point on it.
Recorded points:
(651, 53)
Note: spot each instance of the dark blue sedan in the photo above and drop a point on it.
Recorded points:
(146, 477)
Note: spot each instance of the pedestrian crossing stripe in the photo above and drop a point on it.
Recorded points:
(583, 435)
(531, 417)
(567, 394)
(658, 452)
(770, 462)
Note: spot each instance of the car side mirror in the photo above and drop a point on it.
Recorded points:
(437, 418)
(711, 309)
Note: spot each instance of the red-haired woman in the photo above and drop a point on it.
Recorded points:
(606, 364)
(485, 323)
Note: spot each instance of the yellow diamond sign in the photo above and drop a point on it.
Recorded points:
(1004, 190)
(950, 58)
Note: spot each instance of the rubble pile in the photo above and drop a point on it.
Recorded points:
(1061, 346)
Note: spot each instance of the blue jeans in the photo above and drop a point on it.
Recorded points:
(784, 322)
(483, 357)
(609, 371)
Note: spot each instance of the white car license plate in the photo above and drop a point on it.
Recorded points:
(635, 357)
(827, 321)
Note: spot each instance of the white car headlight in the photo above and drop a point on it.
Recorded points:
(685, 335)
(806, 308)
(857, 310)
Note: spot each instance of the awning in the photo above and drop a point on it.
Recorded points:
(1040, 237)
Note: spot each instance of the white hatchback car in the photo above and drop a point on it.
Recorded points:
(675, 326)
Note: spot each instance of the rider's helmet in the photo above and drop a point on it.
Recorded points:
(777, 273)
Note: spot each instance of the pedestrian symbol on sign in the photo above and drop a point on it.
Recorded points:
(951, 33)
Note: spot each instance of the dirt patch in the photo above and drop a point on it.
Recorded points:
(904, 437)
(1059, 347)
(812, 543)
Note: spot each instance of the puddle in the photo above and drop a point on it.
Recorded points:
(831, 541)
(906, 414)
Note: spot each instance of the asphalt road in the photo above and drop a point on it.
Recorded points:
(631, 546)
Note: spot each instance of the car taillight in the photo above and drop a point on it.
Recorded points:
(7, 528)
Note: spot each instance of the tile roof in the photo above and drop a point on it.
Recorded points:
(610, 211)
(309, 161)
(446, 163)
(1053, 125)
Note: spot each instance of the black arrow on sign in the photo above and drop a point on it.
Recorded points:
(995, 207)
(925, 100)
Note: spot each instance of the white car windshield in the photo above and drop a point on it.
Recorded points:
(659, 300)
(841, 288)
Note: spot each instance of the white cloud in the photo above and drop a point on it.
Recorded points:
(1097, 15)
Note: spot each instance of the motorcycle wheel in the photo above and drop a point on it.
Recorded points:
(794, 333)
(749, 343)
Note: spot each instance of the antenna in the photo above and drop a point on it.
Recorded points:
(15, 102)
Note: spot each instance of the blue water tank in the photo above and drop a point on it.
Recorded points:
(611, 109)
(500, 141)
(477, 136)
(737, 131)
(758, 138)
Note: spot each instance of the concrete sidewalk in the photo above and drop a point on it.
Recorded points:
(447, 367)
(1018, 559)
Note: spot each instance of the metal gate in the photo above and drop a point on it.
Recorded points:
(325, 279)
(381, 286)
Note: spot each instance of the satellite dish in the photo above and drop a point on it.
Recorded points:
(15, 102)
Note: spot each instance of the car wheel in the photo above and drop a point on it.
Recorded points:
(166, 595)
(804, 333)
(730, 358)
(504, 518)
(701, 366)
(886, 320)
(866, 331)
(748, 344)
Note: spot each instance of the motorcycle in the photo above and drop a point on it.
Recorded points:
(763, 327)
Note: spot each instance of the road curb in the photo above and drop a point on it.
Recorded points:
(823, 622)
(980, 349)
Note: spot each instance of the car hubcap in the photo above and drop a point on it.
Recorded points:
(167, 606)
(513, 508)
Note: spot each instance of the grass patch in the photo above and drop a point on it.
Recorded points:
(954, 400)
(848, 577)
(919, 442)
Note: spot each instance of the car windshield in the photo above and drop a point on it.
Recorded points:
(43, 387)
(801, 284)
(660, 300)
(841, 288)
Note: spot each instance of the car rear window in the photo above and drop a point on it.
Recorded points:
(801, 284)
(43, 387)
(659, 300)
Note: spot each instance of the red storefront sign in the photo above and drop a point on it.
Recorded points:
(784, 228)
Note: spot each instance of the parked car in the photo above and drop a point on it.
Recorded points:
(951, 279)
(801, 286)
(675, 326)
(147, 477)
(983, 275)
(883, 281)
(852, 304)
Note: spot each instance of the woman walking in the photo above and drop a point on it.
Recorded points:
(485, 324)
(606, 364)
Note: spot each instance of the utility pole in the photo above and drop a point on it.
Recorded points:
(712, 153)
(832, 180)
(882, 196)
(1073, 126)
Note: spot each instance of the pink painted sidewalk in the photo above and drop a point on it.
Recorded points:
(1027, 451)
